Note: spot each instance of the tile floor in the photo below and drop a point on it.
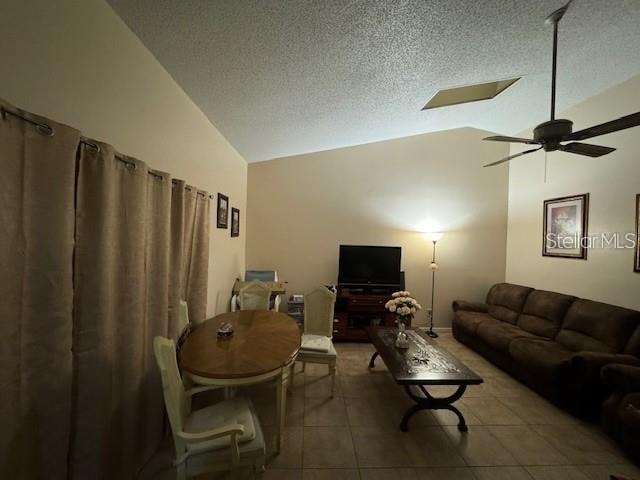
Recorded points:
(514, 434)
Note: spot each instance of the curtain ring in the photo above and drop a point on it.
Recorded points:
(45, 129)
(93, 146)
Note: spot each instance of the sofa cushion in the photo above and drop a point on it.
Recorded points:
(630, 411)
(543, 312)
(469, 321)
(597, 327)
(503, 314)
(540, 357)
(499, 334)
(633, 345)
(506, 300)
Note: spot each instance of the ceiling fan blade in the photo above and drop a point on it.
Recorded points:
(511, 157)
(621, 123)
(586, 149)
(500, 138)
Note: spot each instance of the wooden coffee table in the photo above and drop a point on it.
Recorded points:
(421, 365)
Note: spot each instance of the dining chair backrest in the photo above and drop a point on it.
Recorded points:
(318, 311)
(262, 275)
(255, 296)
(183, 318)
(175, 401)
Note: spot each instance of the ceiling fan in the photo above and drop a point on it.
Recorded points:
(549, 135)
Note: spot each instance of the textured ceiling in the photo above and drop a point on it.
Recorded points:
(279, 78)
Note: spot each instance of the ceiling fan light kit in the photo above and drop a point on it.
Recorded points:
(550, 135)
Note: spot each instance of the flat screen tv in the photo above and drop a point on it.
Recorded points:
(362, 265)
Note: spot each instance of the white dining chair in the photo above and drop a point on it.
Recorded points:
(256, 295)
(263, 276)
(223, 436)
(317, 345)
(183, 328)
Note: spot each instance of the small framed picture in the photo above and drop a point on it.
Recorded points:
(566, 227)
(223, 211)
(636, 263)
(235, 222)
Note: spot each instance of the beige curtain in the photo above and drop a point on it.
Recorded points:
(96, 250)
(176, 271)
(36, 250)
(121, 302)
(197, 258)
(189, 252)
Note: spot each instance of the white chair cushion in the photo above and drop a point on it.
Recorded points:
(229, 412)
(206, 461)
(315, 343)
(321, 357)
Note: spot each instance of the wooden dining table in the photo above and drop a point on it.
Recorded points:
(263, 348)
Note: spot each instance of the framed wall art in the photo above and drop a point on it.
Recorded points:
(565, 227)
(636, 263)
(222, 212)
(235, 222)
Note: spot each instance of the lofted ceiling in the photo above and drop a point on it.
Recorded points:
(286, 77)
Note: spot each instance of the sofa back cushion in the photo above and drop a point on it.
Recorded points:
(506, 300)
(633, 345)
(543, 312)
(597, 327)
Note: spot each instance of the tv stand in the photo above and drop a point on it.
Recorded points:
(358, 308)
(370, 290)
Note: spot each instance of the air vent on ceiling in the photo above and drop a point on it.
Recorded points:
(469, 93)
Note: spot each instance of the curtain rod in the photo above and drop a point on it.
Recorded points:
(43, 128)
(48, 130)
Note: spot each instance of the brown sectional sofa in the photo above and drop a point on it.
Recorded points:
(621, 411)
(554, 343)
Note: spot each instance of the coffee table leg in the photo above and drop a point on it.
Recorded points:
(429, 402)
(404, 423)
(462, 425)
(373, 360)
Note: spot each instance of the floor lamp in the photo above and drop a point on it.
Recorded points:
(433, 266)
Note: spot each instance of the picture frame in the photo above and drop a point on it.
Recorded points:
(565, 227)
(235, 222)
(222, 211)
(636, 263)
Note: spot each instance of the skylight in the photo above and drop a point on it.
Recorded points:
(469, 93)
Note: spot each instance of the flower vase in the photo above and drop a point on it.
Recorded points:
(402, 339)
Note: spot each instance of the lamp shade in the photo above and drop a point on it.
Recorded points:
(435, 236)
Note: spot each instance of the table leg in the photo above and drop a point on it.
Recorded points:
(373, 359)
(281, 406)
(428, 402)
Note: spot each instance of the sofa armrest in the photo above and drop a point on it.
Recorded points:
(589, 364)
(470, 306)
(622, 378)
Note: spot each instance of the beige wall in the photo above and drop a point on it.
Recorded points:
(78, 63)
(300, 209)
(613, 182)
